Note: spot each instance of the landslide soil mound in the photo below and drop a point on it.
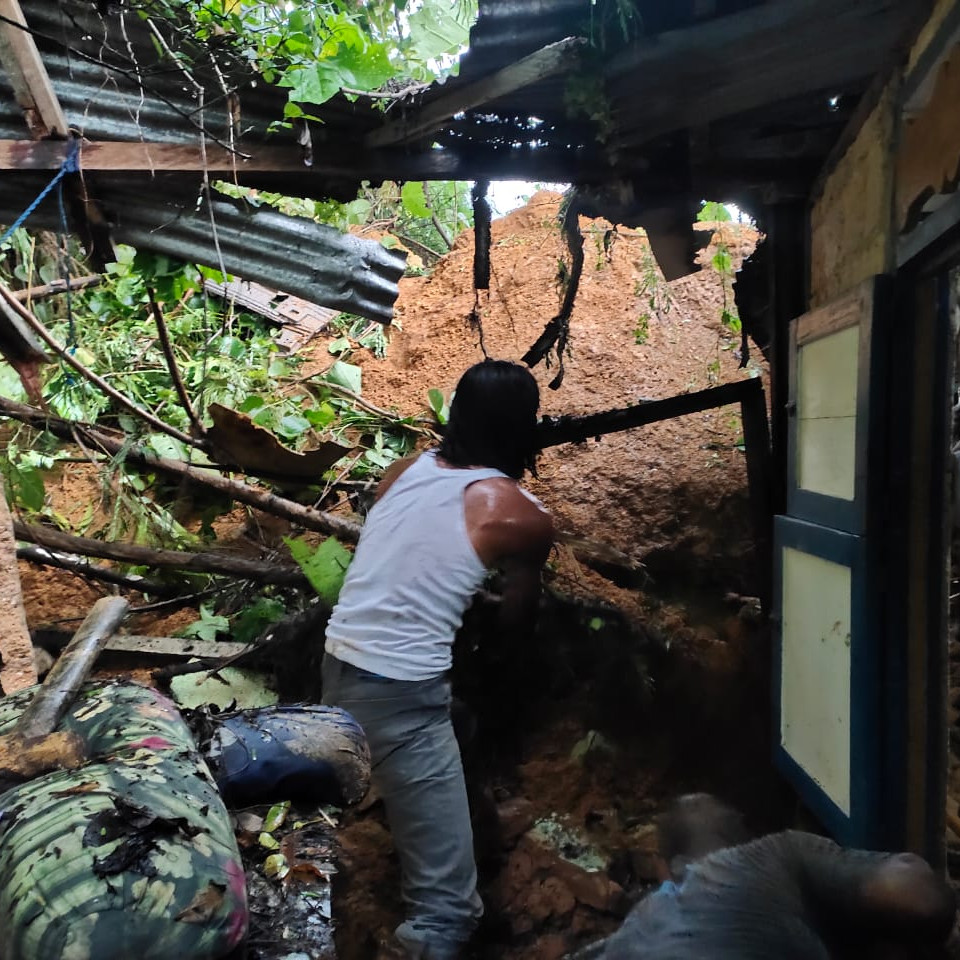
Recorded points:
(672, 494)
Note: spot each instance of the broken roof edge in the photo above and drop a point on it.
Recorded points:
(298, 256)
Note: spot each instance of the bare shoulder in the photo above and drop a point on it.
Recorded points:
(505, 520)
(393, 473)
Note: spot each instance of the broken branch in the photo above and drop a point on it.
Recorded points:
(261, 571)
(307, 517)
(172, 367)
(83, 568)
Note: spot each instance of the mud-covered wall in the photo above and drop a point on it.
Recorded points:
(898, 159)
(851, 222)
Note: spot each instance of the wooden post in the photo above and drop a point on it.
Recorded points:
(17, 669)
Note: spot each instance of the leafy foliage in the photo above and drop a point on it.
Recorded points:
(317, 48)
(722, 263)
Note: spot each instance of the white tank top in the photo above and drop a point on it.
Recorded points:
(412, 576)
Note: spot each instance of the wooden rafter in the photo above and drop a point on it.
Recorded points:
(555, 58)
(27, 74)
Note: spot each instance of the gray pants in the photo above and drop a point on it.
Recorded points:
(418, 773)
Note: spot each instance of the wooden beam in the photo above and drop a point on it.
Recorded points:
(733, 64)
(122, 156)
(27, 74)
(572, 429)
(555, 58)
(261, 164)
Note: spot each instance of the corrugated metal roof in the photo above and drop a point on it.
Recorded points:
(292, 254)
(112, 86)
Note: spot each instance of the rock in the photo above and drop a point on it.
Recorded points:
(551, 947)
(592, 888)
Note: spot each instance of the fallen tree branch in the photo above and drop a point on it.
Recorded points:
(307, 517)
(41, 331)
(29, 294)
(84, 568)
(258, 570)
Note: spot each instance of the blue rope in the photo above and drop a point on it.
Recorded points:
(71, 164)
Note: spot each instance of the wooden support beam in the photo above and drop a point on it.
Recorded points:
(567, 429)
(27, 74)
(268, 167)
(555, 58)
(155, 157)
(733, 64)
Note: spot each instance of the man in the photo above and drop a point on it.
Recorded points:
(786, 896)
(439, 523)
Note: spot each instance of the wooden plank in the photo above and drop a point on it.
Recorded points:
(270, 164)
(157, 647)
(27, 74)
(555, 58)
(856, 306)
(17, 667)
(737, 63)
(154, 157)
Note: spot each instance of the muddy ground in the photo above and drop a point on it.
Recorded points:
(630, 692)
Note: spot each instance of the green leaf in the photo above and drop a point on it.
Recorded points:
(321, 416)
(292, 426)
(268, 841)
(276, 816)
(208, 626)
(28, 484)
(722, 261)
(253, 620)
(364, 68)
(251, 403)
(315, 84)
(435, 399)
(324, 567)
(712, 211)
(339, 345)
(345, 375)
(414, 199)
(166, 446)
(435, 31)
(276, 865)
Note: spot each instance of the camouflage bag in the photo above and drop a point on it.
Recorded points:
(130, 856)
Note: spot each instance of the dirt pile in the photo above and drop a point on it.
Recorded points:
(673, 493)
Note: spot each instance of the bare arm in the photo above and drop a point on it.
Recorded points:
(511, 531)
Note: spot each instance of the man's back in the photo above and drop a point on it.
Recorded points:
(787, 896)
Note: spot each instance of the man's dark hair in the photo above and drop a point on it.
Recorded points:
(493, 419)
